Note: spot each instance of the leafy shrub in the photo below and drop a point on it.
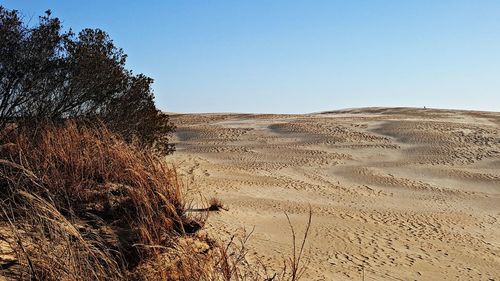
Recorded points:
(47, 74)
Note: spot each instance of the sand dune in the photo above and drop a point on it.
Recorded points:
(408, 194)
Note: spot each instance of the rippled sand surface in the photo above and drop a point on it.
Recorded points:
(408, 194)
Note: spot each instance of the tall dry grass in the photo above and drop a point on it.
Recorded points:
(87, 200)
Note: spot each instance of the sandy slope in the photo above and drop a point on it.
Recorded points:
(410, 194)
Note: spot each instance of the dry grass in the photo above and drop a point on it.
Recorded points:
(199, 258)
(81, 204)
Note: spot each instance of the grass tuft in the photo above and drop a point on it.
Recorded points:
(215, 204)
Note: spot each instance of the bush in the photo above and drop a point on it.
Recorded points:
(47, 74)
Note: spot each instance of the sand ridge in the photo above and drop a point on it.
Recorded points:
(408, 194)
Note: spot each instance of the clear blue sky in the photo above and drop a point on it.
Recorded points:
(301, 56)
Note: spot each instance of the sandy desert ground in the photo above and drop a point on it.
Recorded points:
(408, 194)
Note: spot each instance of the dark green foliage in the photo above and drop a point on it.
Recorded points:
(48, 74)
